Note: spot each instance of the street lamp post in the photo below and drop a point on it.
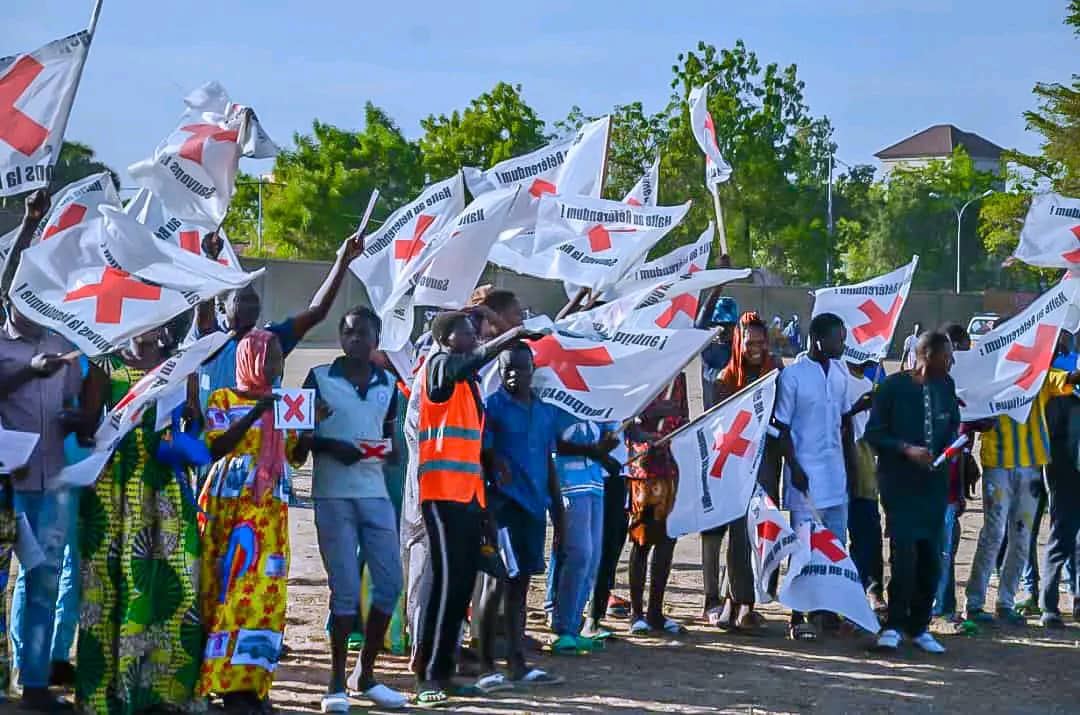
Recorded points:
(959, 222)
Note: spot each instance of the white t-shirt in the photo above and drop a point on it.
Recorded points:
(909, 351)
(812, 404)
(857, 387)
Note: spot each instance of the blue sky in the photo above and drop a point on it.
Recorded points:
(879, 69)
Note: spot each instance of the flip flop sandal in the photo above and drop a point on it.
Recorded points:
(493, 683)
(672, 627)
(540, 677)
(464, 691)
(803, 632)
(431, 699)
(565, 645)
(639, 627)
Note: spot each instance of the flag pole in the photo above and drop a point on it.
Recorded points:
(672, 435)
(720, 222)
(94, 15)
(607, 150)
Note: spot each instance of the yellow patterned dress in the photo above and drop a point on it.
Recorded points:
(245, 562)
(140, 636)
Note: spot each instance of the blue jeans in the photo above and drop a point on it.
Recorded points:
(945, 598)
(34, 608)
(575, 562)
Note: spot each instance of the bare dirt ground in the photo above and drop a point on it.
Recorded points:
(1003, 669)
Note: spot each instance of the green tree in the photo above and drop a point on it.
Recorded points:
(77, 161)
(324, 184)
(774, 203)
(495, 126)
(913, 212)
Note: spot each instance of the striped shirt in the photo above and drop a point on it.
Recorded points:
(579, 475)
(1011, 444)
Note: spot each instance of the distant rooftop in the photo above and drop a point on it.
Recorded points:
(940, 140)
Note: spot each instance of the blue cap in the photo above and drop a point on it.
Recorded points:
(726, 311)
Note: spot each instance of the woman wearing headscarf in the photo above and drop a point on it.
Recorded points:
(140, 634)
(245, 531)
(750, 359)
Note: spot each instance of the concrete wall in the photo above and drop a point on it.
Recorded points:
(287, 287)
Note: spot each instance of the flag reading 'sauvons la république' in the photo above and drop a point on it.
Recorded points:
(1004, 371)
(37, 90)
(1051, 234)
(718, 456)
(870, 311)
(105, 281)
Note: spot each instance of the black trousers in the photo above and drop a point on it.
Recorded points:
(454, 532)
(614, 538)
(1061, 548)
(915, 565)
(864, 531)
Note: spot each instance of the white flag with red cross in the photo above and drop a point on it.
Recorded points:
(399, 249)
(671, 304)
(1051, 234)
(106, 281)
(163, 380)
(718, 455)
(37, 90)
(145, 208)
(717, 170)
(193, 170)
(643, 193)
(455, 266)
(573, 166)
(647, 188)
(1005, 370)
(78, 202)
(254, 142)
(870, 311)
(771, 540)
(822, 577)
(614, 379)
(593, 242)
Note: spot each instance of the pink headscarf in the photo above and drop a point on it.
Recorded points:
(251, 379)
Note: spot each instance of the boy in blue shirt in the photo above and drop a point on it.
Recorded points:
(519, 439)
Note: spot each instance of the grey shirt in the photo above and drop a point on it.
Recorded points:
(35, 407)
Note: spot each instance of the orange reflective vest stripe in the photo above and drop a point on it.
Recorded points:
(449, 434)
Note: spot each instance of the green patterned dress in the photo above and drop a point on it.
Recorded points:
(7, 547)
(140, 635)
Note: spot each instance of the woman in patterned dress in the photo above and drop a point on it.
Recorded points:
(7, 547)
(653, 479)
(245, 537)
(140, 636)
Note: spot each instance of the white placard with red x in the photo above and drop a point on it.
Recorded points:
(295, 409)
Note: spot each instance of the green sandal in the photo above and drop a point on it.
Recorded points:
(430, 699)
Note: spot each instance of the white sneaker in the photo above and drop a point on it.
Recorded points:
(889, 640)
(335, 703)
(928, 643)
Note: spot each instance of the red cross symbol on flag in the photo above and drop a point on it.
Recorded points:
(710, 131)
(69, 217)
(549, 352)
(731, 442)
(16, 128)
(136, 390)
(600, 237)
(878, 324)
(826, 542)
(633, 201)
(115, 286)
(767, 531)
(1037, 356)
(540, 187)
(189, 241)
(294, 408)
(694, 268)
(192, 148)
(1073, 256)
(685, 303)
(407, 250)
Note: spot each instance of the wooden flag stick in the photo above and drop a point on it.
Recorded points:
(720, 223)
(94, 15)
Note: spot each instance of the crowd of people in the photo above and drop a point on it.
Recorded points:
(442, 487)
